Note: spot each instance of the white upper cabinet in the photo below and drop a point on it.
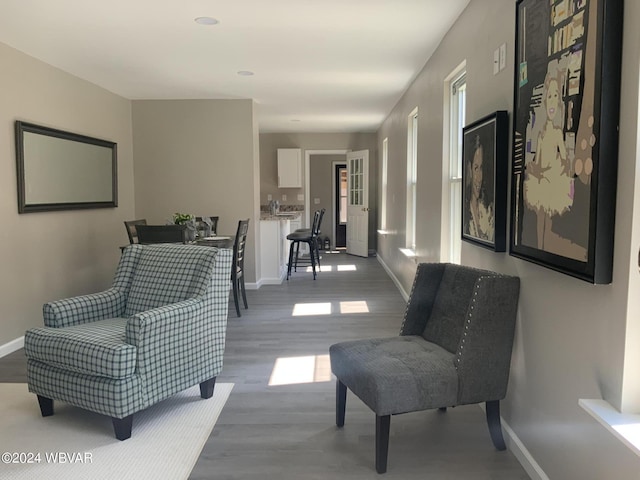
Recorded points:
(290, 168)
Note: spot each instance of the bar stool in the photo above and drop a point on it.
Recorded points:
(308, 236)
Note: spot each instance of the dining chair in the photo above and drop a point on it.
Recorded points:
(132, 233)
(237, 270)
(148, 234)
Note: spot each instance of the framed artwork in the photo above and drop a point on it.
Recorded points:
(484, 180)
(565, 135)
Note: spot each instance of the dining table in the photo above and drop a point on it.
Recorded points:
(219, 241)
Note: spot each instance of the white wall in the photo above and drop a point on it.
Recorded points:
(570, 339)
(52, 255)
(198, 157)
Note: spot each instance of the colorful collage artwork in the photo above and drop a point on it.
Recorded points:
(556, 128)
(554, 188)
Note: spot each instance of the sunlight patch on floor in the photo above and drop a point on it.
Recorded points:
(304, 309)
(339, 268)
(325, 308)
(323, 268)
(347, 268)
(294, 370)
(354, 307)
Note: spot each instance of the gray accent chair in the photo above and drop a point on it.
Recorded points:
(158, 330)
(454, 348)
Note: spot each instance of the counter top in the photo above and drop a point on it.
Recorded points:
(281, 216)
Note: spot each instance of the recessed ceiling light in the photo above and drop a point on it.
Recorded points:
(295, 119)
(245, 73)
(206, 21)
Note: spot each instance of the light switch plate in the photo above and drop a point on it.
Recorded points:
(284, 197)
(503, 56)
(269, 197)
(496, 61)
(301, 197)
(316, 201)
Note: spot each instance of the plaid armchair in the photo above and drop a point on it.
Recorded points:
(158, 330)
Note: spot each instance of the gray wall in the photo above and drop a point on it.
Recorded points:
(47, 256)
(270, 142)
(570, 340)
(198, 157)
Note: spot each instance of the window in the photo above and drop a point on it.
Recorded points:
(383, 202)
(412, 178)
(452, 203)
(343, 196)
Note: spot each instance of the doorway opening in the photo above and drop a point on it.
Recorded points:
(340, 202)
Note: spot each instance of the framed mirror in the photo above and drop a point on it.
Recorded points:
(60, 170)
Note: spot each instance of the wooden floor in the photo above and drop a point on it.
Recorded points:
(287, 430)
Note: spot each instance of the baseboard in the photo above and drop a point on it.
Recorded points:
(253, 285)
(269, 281)
(524, 457)
(11, 347)
(404, 294)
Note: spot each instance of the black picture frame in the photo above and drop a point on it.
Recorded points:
(565, 135)
(485, 147)
(60, 170)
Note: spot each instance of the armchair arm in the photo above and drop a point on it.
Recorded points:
(84, 309)
(178, 345)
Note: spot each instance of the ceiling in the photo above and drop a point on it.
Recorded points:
(318, 66)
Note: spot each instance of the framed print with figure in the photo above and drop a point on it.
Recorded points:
(565, 135)
(484, 181)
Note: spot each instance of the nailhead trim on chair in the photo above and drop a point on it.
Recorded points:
(468, 322)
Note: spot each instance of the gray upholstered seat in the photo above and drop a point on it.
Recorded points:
(454, 348)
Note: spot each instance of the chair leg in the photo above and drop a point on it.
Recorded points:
(290, 260)
(312, 255)
(122, 427)
(316, 243)
(382, 442)
(244, 294)
(493, 420)
(295, 266)
(235, 296)
(341, 402)
(46, 406)
(206, 388)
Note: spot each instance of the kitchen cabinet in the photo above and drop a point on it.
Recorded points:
(290, 168)
(274, 250)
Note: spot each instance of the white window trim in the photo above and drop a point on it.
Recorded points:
(384, 179)
(412, 178)
(448, 229)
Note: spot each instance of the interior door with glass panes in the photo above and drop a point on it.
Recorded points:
(358, 203)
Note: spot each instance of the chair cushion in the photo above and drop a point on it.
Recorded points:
(95, 348)
(396, 374)
(168, 274)
(304, 236)
(446, 323)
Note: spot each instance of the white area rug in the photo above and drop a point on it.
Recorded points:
(166, 439)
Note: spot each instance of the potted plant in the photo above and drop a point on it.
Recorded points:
(190, 222)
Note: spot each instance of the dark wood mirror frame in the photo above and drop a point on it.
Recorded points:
(60, 170)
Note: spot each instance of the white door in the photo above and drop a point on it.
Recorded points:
(358, 203)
